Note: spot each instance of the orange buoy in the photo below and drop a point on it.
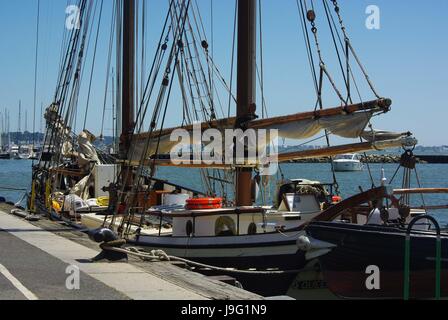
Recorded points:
(336, 199)
(204, 203)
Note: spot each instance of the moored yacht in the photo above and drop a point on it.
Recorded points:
(348, 162)
(5, 155)
(14, 152)
(25, 152)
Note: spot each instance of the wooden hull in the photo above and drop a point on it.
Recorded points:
(359, 247)
(261, 252)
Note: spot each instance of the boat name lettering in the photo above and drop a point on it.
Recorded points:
(309, 284)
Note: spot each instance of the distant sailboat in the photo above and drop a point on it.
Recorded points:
(4, 146)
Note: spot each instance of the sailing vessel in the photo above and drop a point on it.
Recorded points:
(357, 247)
(384, 232)
(154, 214)
(5, 152)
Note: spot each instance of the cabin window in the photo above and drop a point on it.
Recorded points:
(225, 226)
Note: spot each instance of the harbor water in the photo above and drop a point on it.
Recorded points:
(15, 179)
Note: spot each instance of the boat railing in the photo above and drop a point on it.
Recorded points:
(407, 259)
(422, 191)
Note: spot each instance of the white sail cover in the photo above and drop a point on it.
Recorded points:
(342, 125)
(87, 152)
(345, 126)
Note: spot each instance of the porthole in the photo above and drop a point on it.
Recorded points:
(225, 226)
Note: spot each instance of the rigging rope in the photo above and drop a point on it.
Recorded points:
(261, 71)
(311, 16)
(232, 64)
(109, 61)
(93, 65)
(348, 42)
(345, 77)
(168, 84)
(35, 75)
(174, 53)
(64, 82)
(349, 70)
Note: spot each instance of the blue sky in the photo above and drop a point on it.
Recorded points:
(406, 58)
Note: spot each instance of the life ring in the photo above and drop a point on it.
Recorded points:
(336, 199)
(204, 203)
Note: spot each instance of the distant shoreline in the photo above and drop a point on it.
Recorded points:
(384, 159)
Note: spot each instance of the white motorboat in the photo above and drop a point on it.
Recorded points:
(14, 152)
(348, 162)
(25, 152)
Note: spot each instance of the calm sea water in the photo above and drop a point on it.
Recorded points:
(16, 174)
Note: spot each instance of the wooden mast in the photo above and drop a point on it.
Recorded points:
(128, 65)
(246, 88)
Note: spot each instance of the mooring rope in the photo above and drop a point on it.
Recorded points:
(163, 256)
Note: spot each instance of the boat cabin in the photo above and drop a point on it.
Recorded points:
(349, 157)
(301, 200)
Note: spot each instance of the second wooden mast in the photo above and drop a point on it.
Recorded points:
(128, 70)
(246, 88)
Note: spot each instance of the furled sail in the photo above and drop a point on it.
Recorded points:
(402, 141)
(62, 139)
(347, 122)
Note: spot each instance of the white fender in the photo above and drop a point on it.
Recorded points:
(314, 248)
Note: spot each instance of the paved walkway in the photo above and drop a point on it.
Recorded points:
(34, 262)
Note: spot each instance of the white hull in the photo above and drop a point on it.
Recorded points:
(347, 166)
(24, 156)
(261, 245)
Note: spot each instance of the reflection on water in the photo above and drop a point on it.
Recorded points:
(15, 174)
